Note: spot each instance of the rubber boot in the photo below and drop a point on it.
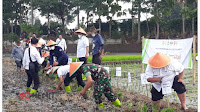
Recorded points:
(117, 103)
(100, 106)
(33, 91)
(28, 89)
(67, 89)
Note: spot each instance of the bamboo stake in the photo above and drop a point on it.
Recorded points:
(143, 68)
(194, 59)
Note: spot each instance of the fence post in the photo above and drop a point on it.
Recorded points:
(194, 59)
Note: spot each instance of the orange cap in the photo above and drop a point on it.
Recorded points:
(46, 54)
(74, 66)
(80, 31)
(50, 43)
(159, 60)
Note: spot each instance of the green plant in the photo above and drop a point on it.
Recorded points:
(168, 110)
(114, 58)
(130, 106)
(79, 88)
(155, 108)
(142, 107)
(120, 95)
(54, 87)
(10, 37)
(145, 108)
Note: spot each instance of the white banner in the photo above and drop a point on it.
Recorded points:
(180, 50)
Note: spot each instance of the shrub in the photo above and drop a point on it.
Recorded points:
(10, 37)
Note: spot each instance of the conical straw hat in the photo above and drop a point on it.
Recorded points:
(74, 66)
(159, 60)
(80, 31)
(46, 54)
(54, 70)
(39, 44)
(50, 43)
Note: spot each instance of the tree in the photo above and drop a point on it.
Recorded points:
(14, 12)
(64, 10)
(159, 10)
(137, 9)
(114, 8)
(46, 8)
(190, 11)
(86, 5)
(100, 8)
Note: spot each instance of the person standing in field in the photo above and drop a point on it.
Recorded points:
(17, 55)
(161, 72)
(82, 46)
(62, 43)
(97, 49)
(31, 61)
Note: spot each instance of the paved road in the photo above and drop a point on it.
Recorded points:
(108, 54)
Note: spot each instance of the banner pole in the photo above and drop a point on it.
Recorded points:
(142, 60)
(194, 59)
(143, 67)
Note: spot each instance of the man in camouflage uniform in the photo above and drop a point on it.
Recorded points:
(102, 84)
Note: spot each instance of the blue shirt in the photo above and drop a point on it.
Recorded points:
(59, 54)
(97, 44)
(17, 53)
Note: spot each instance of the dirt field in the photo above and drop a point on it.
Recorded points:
(15, 82)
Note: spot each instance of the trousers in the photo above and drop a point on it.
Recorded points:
(96, 59)
(103, 86)
(78, 76)
(33, 76)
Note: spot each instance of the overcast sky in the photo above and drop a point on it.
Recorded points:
(125, 6)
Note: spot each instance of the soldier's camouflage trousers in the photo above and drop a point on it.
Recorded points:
(103, 86)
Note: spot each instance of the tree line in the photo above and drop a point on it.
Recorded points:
(170, 17)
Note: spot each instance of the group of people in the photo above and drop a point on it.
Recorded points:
(57, 63)
(160, 70)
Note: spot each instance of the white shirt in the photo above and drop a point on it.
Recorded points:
(63, 70)
(42, 41)
(168, 73)
(35, 56)
(83, 42)
(61, 43)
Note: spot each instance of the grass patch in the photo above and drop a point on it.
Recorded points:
(114, 58)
